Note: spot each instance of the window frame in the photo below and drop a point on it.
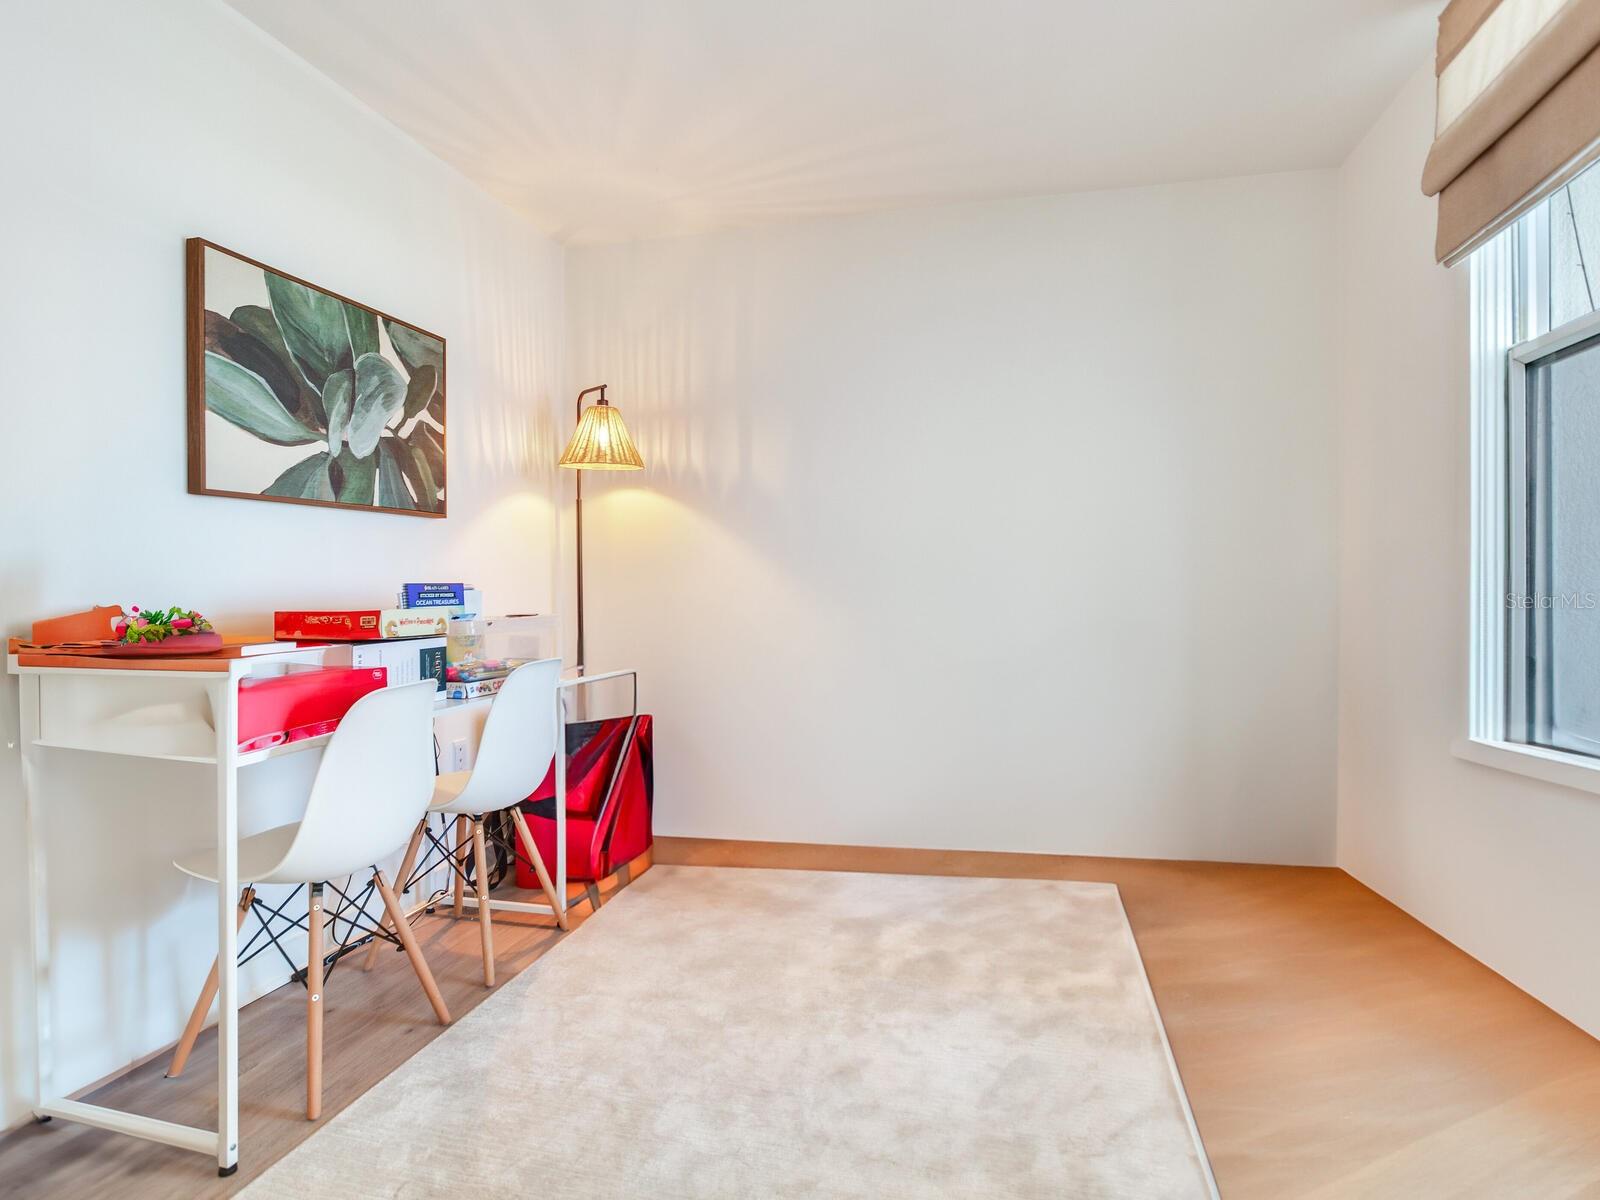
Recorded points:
(1509, 317)
(1528, 639)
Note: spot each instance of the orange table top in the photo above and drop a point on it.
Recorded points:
(64, 656)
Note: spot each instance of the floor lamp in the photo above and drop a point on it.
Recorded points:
(600, 443)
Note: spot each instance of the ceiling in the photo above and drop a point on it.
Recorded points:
(611, 119)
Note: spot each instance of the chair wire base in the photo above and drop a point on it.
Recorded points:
(350, 911)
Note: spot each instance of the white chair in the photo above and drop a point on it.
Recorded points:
(518, 745)
(376, 778)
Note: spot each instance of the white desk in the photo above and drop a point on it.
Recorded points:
(184, 716)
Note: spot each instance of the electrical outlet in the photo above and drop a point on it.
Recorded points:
(458, 754)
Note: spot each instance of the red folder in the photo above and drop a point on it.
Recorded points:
(301, 704)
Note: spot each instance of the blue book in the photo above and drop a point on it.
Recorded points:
(433, 595)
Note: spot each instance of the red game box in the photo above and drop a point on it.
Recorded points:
(359, 624)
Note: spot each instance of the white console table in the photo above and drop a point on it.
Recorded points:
(185, 712)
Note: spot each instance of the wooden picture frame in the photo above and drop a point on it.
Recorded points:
(300, 395)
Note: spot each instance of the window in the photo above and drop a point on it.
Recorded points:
(1536, 482)
(1553, 600)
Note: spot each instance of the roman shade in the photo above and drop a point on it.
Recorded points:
(1519, 111)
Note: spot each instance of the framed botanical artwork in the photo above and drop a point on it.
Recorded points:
(300, 395)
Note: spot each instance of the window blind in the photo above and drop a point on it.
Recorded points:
(1518, 111)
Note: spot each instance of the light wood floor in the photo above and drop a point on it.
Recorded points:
(1332, 1047)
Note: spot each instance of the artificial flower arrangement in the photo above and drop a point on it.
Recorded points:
(154, 625)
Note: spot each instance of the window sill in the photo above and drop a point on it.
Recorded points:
(1553, 766)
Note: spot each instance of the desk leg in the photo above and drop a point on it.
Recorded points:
(561, 807)
(226, 716)
(38, 895)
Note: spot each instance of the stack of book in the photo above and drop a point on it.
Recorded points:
(424, 610)
(478, 677)
(418, 623)
(462, 600)
(358, 624)
(408, 660)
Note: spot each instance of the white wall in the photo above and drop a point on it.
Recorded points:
(1004, 526)
(1010, 525)
(1501, 865)
(128, 128)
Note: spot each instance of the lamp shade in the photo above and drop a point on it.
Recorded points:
(601, 442)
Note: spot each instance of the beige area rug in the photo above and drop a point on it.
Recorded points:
(747, 1034)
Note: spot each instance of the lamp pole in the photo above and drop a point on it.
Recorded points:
(577, 513)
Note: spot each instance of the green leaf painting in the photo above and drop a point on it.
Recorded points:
(414, 347)
(338, 395)
(417, 467)
(355, 478)
(419, 391)
(313, 327)
(427, 444)
(240, 396)
(311, 397)
(361, 324)
(392, 491)
(259, 323)
(230, 341)
(306, 480)
(417, 350)
(380, 394)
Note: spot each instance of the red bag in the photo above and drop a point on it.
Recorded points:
(608, 823)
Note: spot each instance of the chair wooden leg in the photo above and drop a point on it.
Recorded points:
(480, 878)
(314, 1004)
(402, 929)
(406, 864)
(461, 863)
(202, 1006)
(525, 835)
